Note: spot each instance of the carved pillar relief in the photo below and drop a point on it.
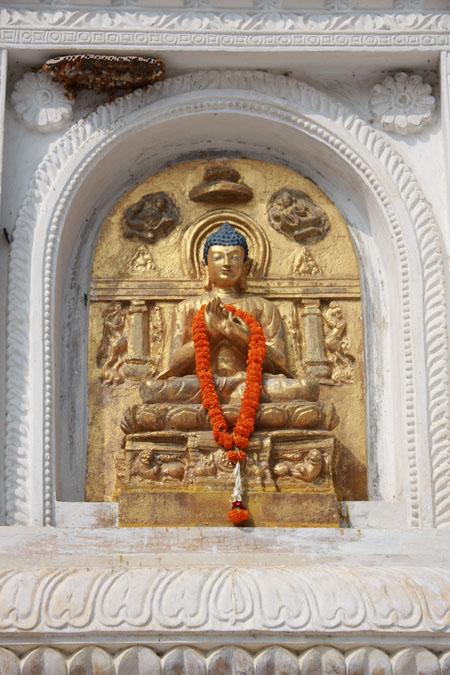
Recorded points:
(314, 356)
(138, 331)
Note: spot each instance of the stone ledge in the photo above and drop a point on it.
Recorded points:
(189, 547)
(370, 514)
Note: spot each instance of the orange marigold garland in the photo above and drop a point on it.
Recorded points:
(235, 442)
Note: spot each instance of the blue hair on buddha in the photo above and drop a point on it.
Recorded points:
(226, 235)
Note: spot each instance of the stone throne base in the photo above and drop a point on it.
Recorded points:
(175, 478)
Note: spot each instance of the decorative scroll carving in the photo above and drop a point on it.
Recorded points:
(114, 344)
(218, 28)
(293, 213)
(221, 184)
(153, 217)
(337, 344)
(305, 264)
(140, 261)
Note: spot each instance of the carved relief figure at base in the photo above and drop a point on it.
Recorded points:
(149, 465)
(307, 468)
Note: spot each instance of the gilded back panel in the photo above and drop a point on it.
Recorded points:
(148, 259)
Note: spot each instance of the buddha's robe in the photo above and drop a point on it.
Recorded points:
(229, 360)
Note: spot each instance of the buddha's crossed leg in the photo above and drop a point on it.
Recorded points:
(275, 388)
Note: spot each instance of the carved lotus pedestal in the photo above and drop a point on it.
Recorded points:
(175, 478)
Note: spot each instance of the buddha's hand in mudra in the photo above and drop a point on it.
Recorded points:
(221, 323)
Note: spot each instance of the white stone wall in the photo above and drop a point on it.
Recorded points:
(373, 594)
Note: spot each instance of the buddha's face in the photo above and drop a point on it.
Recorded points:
(225, 265)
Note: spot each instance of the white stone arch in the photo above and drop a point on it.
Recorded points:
(275, 118)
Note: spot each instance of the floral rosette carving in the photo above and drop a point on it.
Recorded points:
(402, 103)
(41, 104)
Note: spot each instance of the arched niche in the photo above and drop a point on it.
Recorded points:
(266, 117)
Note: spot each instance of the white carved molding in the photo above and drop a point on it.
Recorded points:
(208, 587)
(46, 217)
(138, 28)
(142, 660)
(318, 599)
(445, 116)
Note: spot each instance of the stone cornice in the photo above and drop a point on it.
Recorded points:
(136, 28)
(191, 658)
(323, 599)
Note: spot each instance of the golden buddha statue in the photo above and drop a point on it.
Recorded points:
(173, 399)
(169, 467)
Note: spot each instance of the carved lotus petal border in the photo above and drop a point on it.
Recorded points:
(299, 103)
(216, 599)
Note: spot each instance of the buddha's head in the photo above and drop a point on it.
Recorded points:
(225, 255)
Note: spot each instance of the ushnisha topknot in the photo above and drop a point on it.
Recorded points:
(226, 235)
